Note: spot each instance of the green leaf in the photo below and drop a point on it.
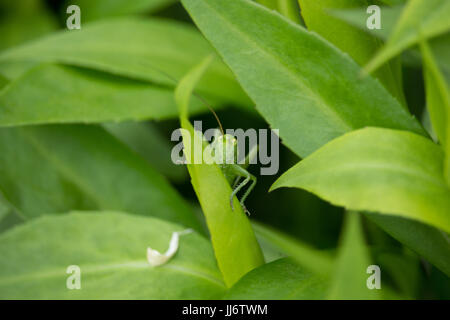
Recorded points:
(380, 170)
(156, 50)
(146, 140)
(358, 18)
(420, 18)
(101, 9)
(431, 243)
(288, 8)
(402, 267)
(350, 276)
(9, 216)
(312, 259)
(440, 45)
(301, 84)
(63, 94)
(438, 103)
(110, 249)
(3, 81)
(358, 44)
(278, 280)
(234, 242)
(24, 20)
(53, 169)
(4, 210)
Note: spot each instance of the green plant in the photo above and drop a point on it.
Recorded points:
(86, 176)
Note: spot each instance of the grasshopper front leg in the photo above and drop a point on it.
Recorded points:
(241, 172)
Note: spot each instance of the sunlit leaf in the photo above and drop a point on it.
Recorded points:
(380, 170)
(301, 84)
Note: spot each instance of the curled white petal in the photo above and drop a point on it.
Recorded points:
(155, 258)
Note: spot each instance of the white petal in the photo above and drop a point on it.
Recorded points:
(155, 258)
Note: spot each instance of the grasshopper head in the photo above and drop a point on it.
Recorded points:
(225, 149)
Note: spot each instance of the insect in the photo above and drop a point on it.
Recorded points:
(225, 151)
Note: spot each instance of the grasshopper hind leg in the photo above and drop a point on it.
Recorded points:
(241, 172)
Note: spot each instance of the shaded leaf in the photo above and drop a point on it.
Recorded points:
(350, 276)
(420, 18)
(53, 169)
(101, 9)
(24, 20)
(380, 170)
(110, 250)
(63, 94)
(312, 259)
(430, 243)
(145, 139)
(440, 44)
(438, 103)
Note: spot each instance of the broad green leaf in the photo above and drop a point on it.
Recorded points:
(350, 274)
(64, 94)
(310, 258)
(438, 103)
(430, 243)
(301, 84)
(10, 220)
(156, 50)
(420, 18)
(279, 280)
(357, 43)
(110, 250)
(53, 169)
(101, 9)
(378, 170)
(234, 242)
(145, 139)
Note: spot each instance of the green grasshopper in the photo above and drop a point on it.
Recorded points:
(225, 151)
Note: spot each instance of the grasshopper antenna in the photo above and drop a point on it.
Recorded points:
(212, 110)
(198, 96)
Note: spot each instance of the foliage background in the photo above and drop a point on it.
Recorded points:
(114, 76)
